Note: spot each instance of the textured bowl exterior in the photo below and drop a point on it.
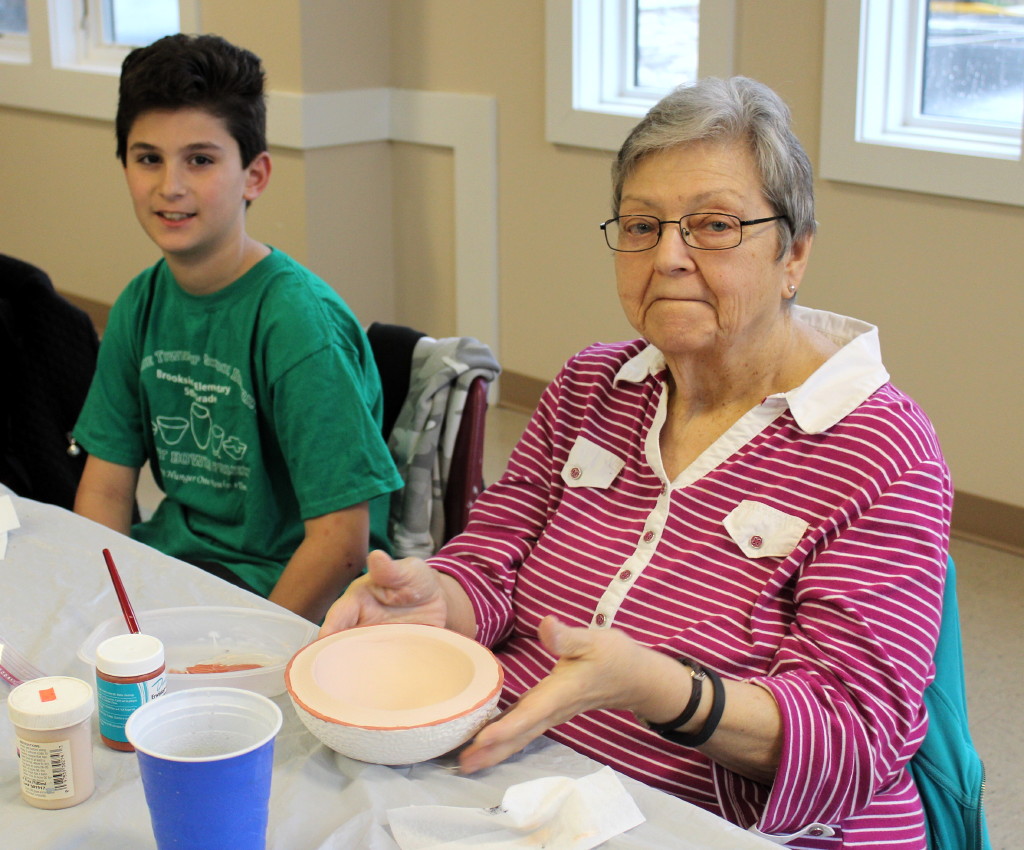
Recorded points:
(363, 692)
(398, 746)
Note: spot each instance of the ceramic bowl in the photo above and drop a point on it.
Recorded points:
(394, 693)
(210, 646)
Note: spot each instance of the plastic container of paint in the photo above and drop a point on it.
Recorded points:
(53, 730)
(130, 672)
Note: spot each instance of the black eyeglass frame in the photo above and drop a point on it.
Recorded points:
(682, 230)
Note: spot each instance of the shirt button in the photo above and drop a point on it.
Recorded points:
(575, 472)
(756, 542)
(626, 575)
(599, 619)
(648, 537)
(664, 489)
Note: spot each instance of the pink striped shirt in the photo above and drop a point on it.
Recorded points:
(804, 551)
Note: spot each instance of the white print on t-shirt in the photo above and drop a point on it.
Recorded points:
(233, 373)
(200, 443)
(172, 429)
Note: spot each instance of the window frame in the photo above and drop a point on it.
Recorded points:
(77, 38)
(576, 67)
(48, 80)
(14, 46)
(906, 89)
(869, 134)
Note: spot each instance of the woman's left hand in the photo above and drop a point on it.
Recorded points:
(596, 668)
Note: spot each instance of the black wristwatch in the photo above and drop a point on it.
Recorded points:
(697, 676)
(667, 730)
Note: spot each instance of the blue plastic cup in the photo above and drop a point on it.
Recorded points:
(206, 757)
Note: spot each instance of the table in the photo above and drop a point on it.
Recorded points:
(54, 589)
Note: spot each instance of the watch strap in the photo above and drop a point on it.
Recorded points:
(711, 724)
(697, 676)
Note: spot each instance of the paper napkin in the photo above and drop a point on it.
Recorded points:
(556, 812)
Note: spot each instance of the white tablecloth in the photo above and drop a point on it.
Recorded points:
(54, 590)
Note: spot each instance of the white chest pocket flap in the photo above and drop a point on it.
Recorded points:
(590, 466)
(762, 531)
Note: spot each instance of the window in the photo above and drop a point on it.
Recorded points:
(96, 35)
(139, 22)
(929, 96)
(74, 70)
(973, 65)
(13, 18)
(609, 61)
(13, 31)
(664, 41)
(628, 53)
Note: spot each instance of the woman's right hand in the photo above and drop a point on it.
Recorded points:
(405, 591)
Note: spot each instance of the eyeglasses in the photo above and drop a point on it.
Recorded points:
(703, 230)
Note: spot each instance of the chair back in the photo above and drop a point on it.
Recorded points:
(435, 403)
(466, 473)
(947, 770)
(392, 347)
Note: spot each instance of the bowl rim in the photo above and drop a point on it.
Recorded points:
(456, 637)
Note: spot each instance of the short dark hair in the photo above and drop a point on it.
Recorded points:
(195, 72)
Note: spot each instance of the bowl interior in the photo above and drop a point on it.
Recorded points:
(393, 676)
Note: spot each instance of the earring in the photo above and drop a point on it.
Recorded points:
(792, 288)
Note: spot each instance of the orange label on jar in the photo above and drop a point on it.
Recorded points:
(47, 695)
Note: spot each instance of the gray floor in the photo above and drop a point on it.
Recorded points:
(991, 591)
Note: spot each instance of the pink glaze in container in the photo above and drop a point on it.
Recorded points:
(243, 648)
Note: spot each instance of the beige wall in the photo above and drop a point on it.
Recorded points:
(424, 237)
(66, 208)
(938, 275)
(64, 204)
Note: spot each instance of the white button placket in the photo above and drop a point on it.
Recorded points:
(610, 601)
(627, 574)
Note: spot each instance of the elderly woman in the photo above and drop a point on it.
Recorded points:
(715, 561)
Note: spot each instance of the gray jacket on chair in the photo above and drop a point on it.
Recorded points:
(424, 436)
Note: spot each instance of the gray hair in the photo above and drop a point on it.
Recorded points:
(730, 110)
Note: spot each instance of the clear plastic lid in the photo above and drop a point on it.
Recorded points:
(129, 655)
(15, 668)
(52, 702)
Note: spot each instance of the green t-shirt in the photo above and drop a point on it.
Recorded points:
(258, 407)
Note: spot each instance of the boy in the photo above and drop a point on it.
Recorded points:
(242, 378)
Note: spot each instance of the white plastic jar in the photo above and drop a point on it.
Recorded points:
(53, 731)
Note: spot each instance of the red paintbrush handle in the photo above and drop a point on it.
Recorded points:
(122, 597)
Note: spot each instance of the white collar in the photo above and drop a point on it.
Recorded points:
(831, 392)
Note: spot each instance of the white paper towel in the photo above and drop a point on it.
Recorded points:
(556, 813)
